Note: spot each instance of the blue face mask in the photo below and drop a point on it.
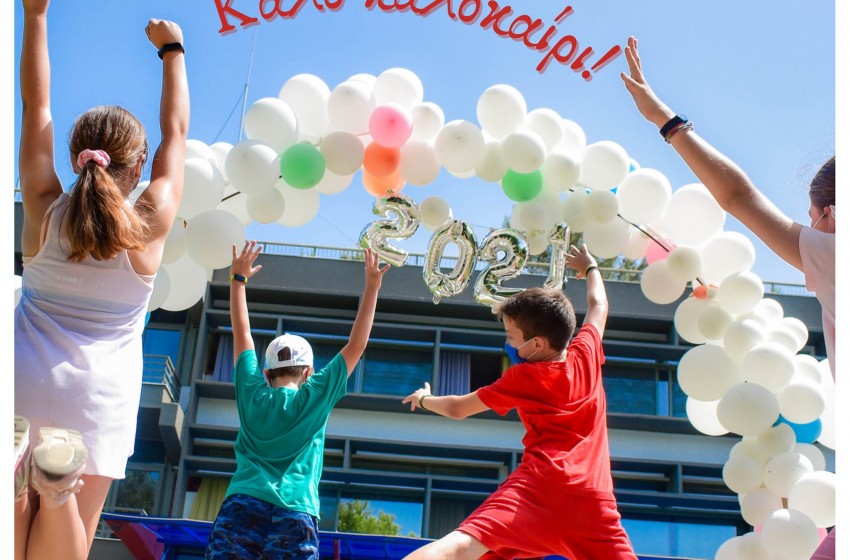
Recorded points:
(513, 353)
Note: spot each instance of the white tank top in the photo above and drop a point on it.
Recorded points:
(78, 346)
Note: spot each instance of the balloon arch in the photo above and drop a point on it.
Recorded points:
(744, 375)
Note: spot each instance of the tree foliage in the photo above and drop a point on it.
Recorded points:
(356, 516)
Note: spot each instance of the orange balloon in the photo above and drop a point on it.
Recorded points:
(382, 186)
(701, 291)
(381, 161)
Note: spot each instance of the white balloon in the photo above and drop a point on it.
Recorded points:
(534, 215)
(684, 263)
(740, 292)
(468, 174)
(749, 446)
(770, 365)
(814, 496)
(724, 254)
(332, 183)
(161, 287)
(203, 187)
(706, 373)
(802, 401)
(523, 151)
(686, 320)
(703, 417)
(199, 148)
(349, 107)
(607, 240)
(742, 474)
(252, 167)
(191, 286)
(783, 471)
(770, 310)
(364, 78)
(604, 165)
(501, 110)
(574, 213)
(814, 454)
(492, 167)
(175, 242)
(644, 195)
(221, 149)
(752, 547)
(659, 285)
(776, 440)
(308, 97)
(602, 207)
(713, 322)
(273, 122)
(515, 219)
(547, 124)
(757, 506)
(210, 237)
(265, 207)
(560, 171)
(343, 152)
(798, 329)
(300, 205)
(459, 146)
(538, 241)
(790, 535)
(398, 85)
(428, 119)
(741, 336)
(434, 212)
(693, 216)
(574, 141)
(729, 549)
(637, 245)
(748, 409)
(418, 164)
(235, 205)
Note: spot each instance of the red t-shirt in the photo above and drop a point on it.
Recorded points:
(562, 406)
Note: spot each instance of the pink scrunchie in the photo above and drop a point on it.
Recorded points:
(99, 156)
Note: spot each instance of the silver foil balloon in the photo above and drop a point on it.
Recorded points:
(449, 284)
(559, 240)
(506, 252)
(403, 225)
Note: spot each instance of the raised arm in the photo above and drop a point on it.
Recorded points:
(727, 182)
(362, 326)
(241, 269)
(456, 407)
(166, 185)
(597, 300)
(40, 185)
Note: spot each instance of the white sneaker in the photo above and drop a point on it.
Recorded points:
(22, 456)
(58, 463)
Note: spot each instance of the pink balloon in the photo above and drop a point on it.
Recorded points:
(656, 252)
(390, 125)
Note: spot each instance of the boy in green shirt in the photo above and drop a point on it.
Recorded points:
(271, 507)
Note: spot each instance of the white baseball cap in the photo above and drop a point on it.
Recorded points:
(300, 350)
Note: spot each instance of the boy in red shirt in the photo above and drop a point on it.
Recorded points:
(560, 499)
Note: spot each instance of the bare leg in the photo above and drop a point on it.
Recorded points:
(454, 546)
(68, 531)
(23, 519)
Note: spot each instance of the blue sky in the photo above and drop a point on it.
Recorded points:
(756, 78)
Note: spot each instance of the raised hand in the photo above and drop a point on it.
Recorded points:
(243, 263)
(36, 6)
(645, 99)
(374, 273)
(579, 260)
(161, 32)
(414, 397)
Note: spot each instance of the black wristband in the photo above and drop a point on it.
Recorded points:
(589, 268)
(238, 278)
(671, 124)
(170, 47)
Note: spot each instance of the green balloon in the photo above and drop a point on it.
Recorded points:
(302, 166)
(522, 187)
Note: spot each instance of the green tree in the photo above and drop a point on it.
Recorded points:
(356, 516)
(137, 491)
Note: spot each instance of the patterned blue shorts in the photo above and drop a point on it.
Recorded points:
(250, 528)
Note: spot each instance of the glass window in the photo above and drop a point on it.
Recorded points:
(629, 389)
(394, 371)
(137, 492)
(328, 500)
(162, 342)
(380, 517)
(666, 538)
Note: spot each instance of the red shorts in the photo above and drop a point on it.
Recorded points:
(523, 520)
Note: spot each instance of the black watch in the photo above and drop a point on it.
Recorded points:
(170, 47)
(671, 124)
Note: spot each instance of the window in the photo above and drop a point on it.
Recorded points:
(381, 517)
(395, 371)
(668, 538)
(630, 388)
(162, 342)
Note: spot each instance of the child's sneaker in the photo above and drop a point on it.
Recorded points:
(58, 462)
(22, 455)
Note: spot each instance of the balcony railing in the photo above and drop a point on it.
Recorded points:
(159, 370)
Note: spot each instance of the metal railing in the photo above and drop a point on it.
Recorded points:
(159, 370)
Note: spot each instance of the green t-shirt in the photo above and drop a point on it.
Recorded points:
(281, 440)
